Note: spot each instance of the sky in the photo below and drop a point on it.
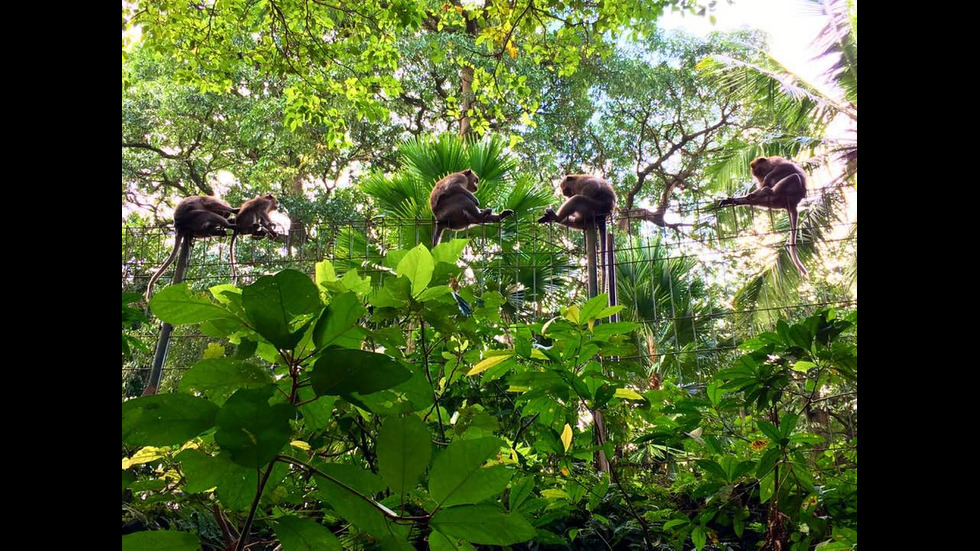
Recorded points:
(791, 25)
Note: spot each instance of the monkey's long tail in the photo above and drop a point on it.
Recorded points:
(156, 276)
(793, 222)
(234, 274)
(437, 236)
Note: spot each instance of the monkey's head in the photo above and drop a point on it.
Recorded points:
(760, 167)
(570, 186)
(471, 180)
(272, 201)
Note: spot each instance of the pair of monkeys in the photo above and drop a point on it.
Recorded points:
(204, 216)
(781, 184)
(455, 207)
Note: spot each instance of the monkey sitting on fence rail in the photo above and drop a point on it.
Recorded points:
(199, 216)
(253, 219)
(781, 184)
(455, 207)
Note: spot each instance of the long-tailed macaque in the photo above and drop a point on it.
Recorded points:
(253, 219)
(590, 200)
(200, 216)
(781, 184)
(455, 207)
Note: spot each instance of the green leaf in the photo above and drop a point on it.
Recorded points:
(272, 302)
(442, 542)
(235, 484)
(448, 251)
(340, 371)
(324, 273)
(433, 293)
(766, 487)
(176, 305)
(458, 464)
(161, 540)
(252, 430)
(769, 430)
(317, 414)
(787, 424)
(404, 449)
(606, 330)
(519, 492)
(301, 534)
(221, 377)
(127, 479)
(482, 524)
(360, 513)
(165, 419)
(713, 468)
(590, 310)
(699, 537)
(338, 317)
(803, 366)
(767, 462)
(417, 266)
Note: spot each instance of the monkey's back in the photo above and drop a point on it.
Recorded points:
(445, 187)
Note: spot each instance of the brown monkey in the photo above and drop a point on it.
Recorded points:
(590, 200)
(199, 216)
(455, 207)
(253, 219)
(781, 184)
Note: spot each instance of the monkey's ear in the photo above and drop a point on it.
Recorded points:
(468, 172)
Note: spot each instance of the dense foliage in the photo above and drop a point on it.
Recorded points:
(323, 416)
(366, 391)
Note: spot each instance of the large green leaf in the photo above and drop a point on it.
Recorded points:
(338, 317)
(404, 449)
(302, 534)
(442, 542)
(458, 470)
(273, 302)
(252, 430)
(165, 419)
(355, 509)
(485, 524)
(235, 485)
(219, 378)
(340, 371)
(417, 266)
(176, 305)
(161, 540)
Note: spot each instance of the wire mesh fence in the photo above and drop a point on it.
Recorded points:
(686, 288)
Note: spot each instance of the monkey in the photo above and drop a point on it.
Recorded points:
(253, 219)
(590, 200)
(455, 207)
(199, 216)
(780, 184)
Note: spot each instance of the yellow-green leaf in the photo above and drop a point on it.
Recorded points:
(300, 445)
(486, 364)
(554, 494)
(571, 313)
(144, 455)
(628, 394)
(566, 436)
(214, 350)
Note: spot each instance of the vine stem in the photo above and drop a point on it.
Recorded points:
(435, 398)
(255, 505)
(384, 510)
